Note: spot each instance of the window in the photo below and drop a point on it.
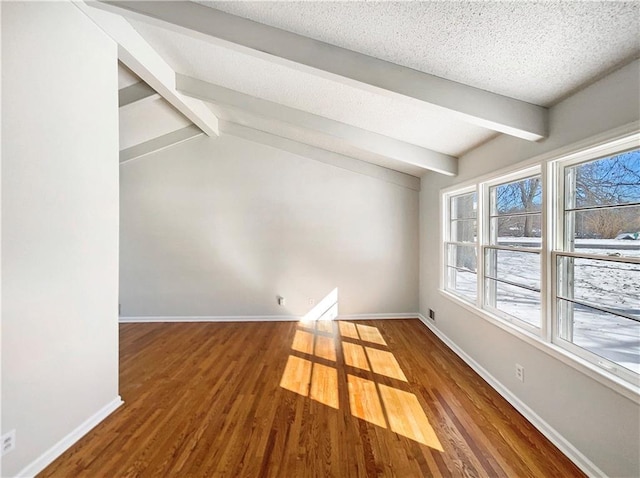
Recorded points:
(553, 251)
(598, 262)
(512, 254)
(461, 245)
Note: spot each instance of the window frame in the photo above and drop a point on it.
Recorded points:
(560, 249)
(551, 166)
(446, 240)
(485, 244)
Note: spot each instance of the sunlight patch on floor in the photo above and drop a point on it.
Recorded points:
(364, 401)
(325, 348)
(325, 326)
(379, 404)
(384, 363)
(303, 342)
(297, 375)
(347, 329)
(324, 385)
(370, 334)
(354, 356)
(407, 418)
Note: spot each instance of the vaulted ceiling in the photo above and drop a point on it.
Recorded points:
(409, 86)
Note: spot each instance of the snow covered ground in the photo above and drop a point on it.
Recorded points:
(610, 285)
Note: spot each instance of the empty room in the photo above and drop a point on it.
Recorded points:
(305, 239)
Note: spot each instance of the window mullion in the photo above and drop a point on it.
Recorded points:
(483, 205)
(545, 256)
(569, 316)
(457, 263)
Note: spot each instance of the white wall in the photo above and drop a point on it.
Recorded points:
(221, 227)
(59, 225)
(602, 424)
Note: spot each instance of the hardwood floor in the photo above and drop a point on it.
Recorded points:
(287, 399)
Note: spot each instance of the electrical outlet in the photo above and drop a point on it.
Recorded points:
(520, 372)
(312, 302)
(432, 314)
(281, 301)
(8, 442)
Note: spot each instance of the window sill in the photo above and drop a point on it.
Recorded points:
(627, 389)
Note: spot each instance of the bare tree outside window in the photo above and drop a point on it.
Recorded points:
(602, 185)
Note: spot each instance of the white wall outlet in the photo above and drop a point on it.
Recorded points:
(312, 302)
(8, 442)
(520, 372)
(281, 301)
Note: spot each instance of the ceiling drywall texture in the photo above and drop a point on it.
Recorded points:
(537, 52)
(421, 125)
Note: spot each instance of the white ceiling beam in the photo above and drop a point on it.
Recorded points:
(322, 155)
(136, 93)
(144, 61)
(360, 138)
(157, 144)
(473, 105)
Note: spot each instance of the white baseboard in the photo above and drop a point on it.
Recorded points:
(259, 318)
(581, 461)
(218, 318)
(400, 315)
(554, 436)
(63, 445)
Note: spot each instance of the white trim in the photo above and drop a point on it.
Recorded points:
(212, 318)
(376, 143)
(319, 154)
(401, 315)
(586, 465)
(63, 445)
(144, 61)
(259, 318)
(160, 143)
(135, 94)
(597, 145)
(549, 165)
(601, 375)
(467, 103)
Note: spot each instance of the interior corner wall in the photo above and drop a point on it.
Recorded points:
(59, 226)
(220, 227)
(600, 423)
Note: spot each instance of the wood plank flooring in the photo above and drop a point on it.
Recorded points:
(286, 399)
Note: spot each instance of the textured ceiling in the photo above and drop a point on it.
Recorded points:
(424, 126)
(538, 52)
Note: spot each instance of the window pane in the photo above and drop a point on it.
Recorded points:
(523, 304)
(464, 206)
(462, 257)
(607, 335)
(522, 268)
(607, 181)
(462, 282)
(464, 230)
(607, 284)
(609, 231)
(517, 197)
(520, 231)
